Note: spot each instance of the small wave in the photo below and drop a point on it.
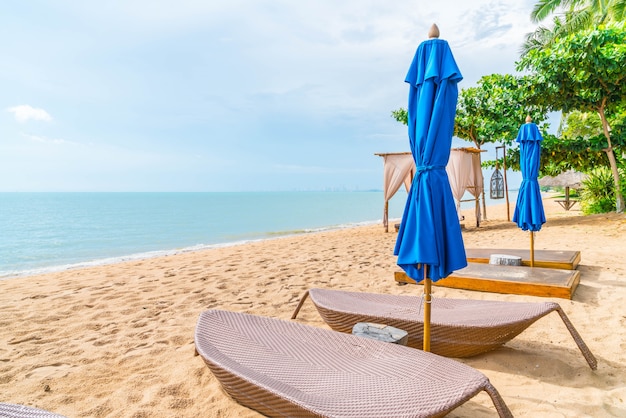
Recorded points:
(322, 228)
(162, 253)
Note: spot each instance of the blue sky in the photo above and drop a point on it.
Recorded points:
(197, 95)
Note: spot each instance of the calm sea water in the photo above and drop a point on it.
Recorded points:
(53, 231)
(43, 232)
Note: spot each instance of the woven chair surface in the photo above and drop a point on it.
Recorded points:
(283, 368)
(459, 327)
(8, 410)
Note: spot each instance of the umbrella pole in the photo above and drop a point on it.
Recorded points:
(532, 249)
(427, 299)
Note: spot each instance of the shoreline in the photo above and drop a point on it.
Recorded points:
(118, 340)
(166, 253)
(57, 230)
(269, 235)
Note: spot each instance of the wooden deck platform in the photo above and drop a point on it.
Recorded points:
(533, 281)
(567, 260)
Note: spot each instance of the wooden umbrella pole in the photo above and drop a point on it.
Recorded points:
(427, 299)
(532, 249)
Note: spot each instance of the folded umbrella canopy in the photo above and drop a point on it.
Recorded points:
(529, 214)
(429, 244)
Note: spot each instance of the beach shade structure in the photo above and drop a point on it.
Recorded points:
(529, 214)
(568, 179)
(429, 245)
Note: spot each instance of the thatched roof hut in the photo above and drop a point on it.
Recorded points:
(570, 178)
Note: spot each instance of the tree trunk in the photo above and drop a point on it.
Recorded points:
(619, 199)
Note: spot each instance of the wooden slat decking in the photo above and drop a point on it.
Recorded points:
(534, 281)
(567, 260)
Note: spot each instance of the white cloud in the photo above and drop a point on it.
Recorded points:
(25, 112)
(239, 82)
(293, 168)
(45, 140)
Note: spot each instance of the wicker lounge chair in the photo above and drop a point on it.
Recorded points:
(459, 327)
(9, 410)
(282, 368)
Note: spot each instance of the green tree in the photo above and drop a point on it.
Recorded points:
(495, 108)
(570, 16)
(559, 155)
(598, 193)
(585, 71)
(578, 145)
(493, 111)
(401, 115)
(577, 124)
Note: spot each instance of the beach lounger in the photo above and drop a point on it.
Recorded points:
(9, 410)
(459, 327)
(283, 368)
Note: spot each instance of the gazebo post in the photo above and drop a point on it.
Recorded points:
(386, 216)
(506, 186)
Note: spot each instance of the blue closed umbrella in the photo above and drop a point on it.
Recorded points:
(429, 244)
(529, 214)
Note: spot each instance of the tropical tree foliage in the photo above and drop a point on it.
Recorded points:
(598, 193)
(579, 145)
(570, 16)
(577, 124)
(586, 71)
(559, 155)
(495, 108)
(401, 115)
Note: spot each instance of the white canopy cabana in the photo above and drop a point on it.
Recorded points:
(464, 173)
(398, 169)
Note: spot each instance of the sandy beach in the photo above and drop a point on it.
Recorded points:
(117, 340)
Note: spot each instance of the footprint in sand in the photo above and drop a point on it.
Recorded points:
(23, 340)
(614, 402)
(55, 370)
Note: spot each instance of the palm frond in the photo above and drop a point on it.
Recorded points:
(577, 21)
(600, 10)
(544, 8)
(574, 16)
(541, 38)
(578, 4)
(617, 11)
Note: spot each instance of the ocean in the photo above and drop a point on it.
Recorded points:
(46, 232)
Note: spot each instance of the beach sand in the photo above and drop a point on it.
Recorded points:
(117, 340)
